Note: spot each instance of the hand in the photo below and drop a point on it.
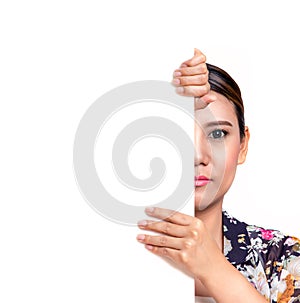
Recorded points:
(184, 239)
(191, 79)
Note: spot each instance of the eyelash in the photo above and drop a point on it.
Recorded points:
(224, 134)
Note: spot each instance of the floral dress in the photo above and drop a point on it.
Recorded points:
(269, 259)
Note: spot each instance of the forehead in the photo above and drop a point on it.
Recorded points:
(221, 109)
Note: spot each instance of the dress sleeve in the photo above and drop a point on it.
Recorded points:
(285, 272)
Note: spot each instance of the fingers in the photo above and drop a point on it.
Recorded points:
(193, 91)
(176, 255)
(163, 227)
(160, 241)
(200, 103)
(201, 79)
(164, 252)
(198, 58)
(191, 70)
(177, 237)
(191, 79)
(169, 215)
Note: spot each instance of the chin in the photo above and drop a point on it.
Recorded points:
(205, 199)
(202, 206)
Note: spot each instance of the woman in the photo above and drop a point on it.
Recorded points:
(229, 260)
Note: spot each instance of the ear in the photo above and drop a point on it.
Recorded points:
(244, 146)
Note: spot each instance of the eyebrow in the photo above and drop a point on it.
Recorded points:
(218, 123)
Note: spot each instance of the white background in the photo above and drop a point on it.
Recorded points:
(57, 58)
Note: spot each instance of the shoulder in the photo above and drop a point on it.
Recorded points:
(280, 257)
(273, 243)
(268, 258)
(268, 244)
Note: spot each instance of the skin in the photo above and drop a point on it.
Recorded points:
(195, 243)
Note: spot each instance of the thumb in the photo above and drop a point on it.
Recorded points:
(197, 52)
(200, 103)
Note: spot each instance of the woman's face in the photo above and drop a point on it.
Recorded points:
(218, 151)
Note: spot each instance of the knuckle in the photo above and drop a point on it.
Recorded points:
(198, 224)
(184, 80)
(184, 90)
(164, 251)
(186, 71)
(188, 244)
(202, 79)
(194, 234)
(202, 68)
(196, 229)
(193, 91)
(203, 89)
(207, 88)
(199, 59)
(147, 239)
(183, 257)
(166, 227)
(182, 218)
(199, 91)
(163, 240)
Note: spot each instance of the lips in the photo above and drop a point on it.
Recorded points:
(201, 181)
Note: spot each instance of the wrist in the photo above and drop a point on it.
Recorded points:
(215, 263)
(226, 284)
(216, 266)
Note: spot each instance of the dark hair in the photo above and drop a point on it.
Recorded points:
(222, 83)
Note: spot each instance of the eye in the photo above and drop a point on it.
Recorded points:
(218, 134)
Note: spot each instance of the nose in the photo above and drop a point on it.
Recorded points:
(202, 154)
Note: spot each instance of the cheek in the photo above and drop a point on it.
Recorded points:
(231, 161)
(225, 158)
(225, 162)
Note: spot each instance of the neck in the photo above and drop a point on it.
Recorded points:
(212, 218)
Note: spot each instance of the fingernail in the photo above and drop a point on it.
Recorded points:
(149, 210)
(176, 81)
(177, 74)
(140, 237)
(150, 247)
(179, 90)
(142, 223)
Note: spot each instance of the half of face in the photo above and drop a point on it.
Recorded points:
(218, 151)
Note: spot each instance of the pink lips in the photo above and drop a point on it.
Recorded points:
(201, 180)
